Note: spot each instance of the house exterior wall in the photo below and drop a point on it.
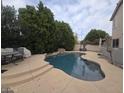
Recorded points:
(117, 28)
(116, 55)
(117, 33)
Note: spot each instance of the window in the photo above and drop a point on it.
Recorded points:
(115, 43)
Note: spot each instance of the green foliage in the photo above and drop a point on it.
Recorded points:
(64, 35)
(40, 32)
(94, 35)
(9, 27)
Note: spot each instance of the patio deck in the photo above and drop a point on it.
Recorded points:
(57, 81)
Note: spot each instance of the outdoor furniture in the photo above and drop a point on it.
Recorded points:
(81, 49)
(61, 50)
(6, 90)
(8, 57)
(3, 70)
(9, 50)
(18, 56)
(26, 52)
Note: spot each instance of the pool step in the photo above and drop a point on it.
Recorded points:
(20, 79)
(14, 75)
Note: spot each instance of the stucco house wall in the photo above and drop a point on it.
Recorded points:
(117, 33)
(117, 27)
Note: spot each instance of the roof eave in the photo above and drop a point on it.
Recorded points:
(116, 9)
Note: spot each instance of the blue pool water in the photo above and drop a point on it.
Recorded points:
(74, 65)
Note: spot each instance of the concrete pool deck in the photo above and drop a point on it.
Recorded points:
(57, 81)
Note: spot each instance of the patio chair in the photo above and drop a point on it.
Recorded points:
(6, 59)
(3, 60)
(6, 90)
(18, 56)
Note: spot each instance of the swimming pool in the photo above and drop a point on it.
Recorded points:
(74, 65)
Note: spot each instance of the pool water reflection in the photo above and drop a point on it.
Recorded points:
(74, 65)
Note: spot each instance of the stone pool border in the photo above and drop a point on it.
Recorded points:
(57, 81)
(96, 60)
(80, 55)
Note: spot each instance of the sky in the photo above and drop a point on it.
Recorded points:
(82, 15)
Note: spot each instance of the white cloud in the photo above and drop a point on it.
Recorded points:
(17, 3)
(20, 3)
(82, 15)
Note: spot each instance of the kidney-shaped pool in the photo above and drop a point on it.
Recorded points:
(74, 65)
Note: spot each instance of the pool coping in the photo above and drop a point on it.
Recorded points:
(64, 83)
(68, 52)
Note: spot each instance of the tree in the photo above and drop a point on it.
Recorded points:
(94, 35)
(27, 20)
(47, 26)
(40, 32)
(10, 35)
(65, 38)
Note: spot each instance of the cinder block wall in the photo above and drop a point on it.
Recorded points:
(89, 47)
(117, 55)
(77, 47)
(93, 48)
(105, 52)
